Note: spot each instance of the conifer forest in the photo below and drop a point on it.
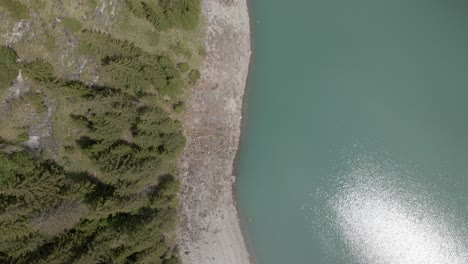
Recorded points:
(91, 97)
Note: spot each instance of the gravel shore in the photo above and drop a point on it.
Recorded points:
(209, 231)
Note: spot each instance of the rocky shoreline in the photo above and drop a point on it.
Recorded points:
(209, 231)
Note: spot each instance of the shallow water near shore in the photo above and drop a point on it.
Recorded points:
(355, 147)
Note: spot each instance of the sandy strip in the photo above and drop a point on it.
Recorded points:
(209, 232)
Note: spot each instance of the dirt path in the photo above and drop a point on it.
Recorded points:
(209, 232)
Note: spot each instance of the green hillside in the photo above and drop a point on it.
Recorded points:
(91, 93)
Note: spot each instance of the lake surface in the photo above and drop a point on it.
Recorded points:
(356, 141)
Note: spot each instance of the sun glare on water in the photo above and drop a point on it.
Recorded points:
(381, 217)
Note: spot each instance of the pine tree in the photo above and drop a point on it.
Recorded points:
(104, 45)
(137, 7)
(39, 70)
(155, 15)
(8, 67)
(7, 56)
(126, 74)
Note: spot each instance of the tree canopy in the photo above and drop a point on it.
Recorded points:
(100, 186)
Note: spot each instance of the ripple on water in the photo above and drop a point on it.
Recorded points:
(382, 216)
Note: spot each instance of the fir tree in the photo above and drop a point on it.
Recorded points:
(8, 67)
(39, 70)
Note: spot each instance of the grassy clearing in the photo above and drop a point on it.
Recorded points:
(16, 124)
(15, 9)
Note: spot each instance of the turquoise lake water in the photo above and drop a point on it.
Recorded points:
(355, 148)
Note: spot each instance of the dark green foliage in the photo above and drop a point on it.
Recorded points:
(32, 189)
(7, 56)
(155, 130)
(117, 157)
(14, 165)
(15, 8)
(8, 67)
(23, 136)
(39, 70)
(7, 75)
(166, 14)
(155, 134)
(202, 51)
(179, 107)
(183, 67)
(182, 13)
(180, 50)
(137, 7)
(103, 45)
(116, 207)
(127, 74)
(193, 76)
(130, 69)
(155, 14)
(173, 83)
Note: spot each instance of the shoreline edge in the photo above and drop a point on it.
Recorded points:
(210, 229)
